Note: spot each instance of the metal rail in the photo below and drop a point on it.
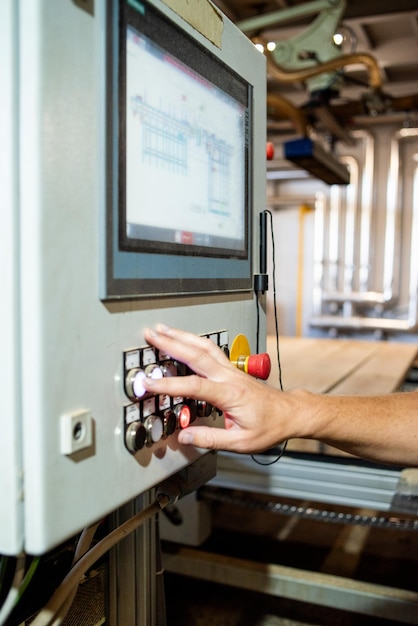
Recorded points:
(303, 478)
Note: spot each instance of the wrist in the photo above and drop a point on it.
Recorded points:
(309, 414)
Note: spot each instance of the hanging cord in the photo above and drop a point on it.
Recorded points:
(83, 545)
(277, 334)
(13, 594)
(47, 616)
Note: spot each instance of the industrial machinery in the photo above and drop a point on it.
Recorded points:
(133, 172)
(315, 58)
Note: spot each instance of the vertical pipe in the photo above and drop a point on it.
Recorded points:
(366, 211)
(413, 268)
(350, 225)
(319, 252)
(303, 210)
(334, 238)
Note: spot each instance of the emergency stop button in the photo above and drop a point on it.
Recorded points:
(257, 365)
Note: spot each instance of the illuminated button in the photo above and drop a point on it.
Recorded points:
(154, 428)
(134, 387)
(153, 371)
(259, 365)
(135, 436)
(183, 415)
(169, 422)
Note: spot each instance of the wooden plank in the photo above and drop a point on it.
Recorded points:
(317, 365)
(383, 372)
(340, 365)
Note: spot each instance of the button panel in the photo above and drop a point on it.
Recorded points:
(149, 418)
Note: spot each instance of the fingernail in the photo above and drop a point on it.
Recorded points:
(163, 328)
(186, 437)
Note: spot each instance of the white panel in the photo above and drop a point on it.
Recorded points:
(72, 343)
(10, 465)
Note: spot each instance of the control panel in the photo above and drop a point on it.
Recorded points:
(82, 437)
(149, 418)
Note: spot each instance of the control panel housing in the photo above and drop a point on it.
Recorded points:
(80, 440)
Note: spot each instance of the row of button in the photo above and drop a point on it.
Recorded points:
(150, 418)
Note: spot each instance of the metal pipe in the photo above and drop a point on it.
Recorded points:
(282, 16)
(390, 292)
(289, 111)
(386, 324)
(286, 76)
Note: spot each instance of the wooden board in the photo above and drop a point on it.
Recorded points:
(339, 365)
(384, 371)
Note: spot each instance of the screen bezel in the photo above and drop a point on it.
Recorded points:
(137, 272)
(207, 67)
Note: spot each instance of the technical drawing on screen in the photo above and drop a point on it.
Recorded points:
(135, 200)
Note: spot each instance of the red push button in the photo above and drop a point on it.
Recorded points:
(259, 365)
(269, 151)
(183, 415)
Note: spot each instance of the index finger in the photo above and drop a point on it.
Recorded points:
(199, 353)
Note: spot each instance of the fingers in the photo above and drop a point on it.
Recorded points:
(193, 387)
(214, 439)
(199, 353)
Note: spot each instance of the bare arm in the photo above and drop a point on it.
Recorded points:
(258, 417)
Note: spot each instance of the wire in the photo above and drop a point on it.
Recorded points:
(28, 577)
(83, 545)
(276, 318)
(277, 334)
(4, 560)
(257, 333)
(13, 594)
(47, 615)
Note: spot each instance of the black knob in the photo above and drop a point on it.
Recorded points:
(135, 436)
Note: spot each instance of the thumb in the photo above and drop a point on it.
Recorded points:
(210, 438)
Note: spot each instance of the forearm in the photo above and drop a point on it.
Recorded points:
(382, 428)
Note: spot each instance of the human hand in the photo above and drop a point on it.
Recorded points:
(250, 407)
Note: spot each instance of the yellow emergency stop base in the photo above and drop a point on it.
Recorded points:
(240, 351)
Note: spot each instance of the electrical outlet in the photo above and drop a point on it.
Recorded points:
(76, 431)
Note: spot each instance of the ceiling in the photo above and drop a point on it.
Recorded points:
(370, 26)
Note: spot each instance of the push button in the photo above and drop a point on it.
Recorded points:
(183, 415)
(135, 436)
(134, 387)
(154, 428)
